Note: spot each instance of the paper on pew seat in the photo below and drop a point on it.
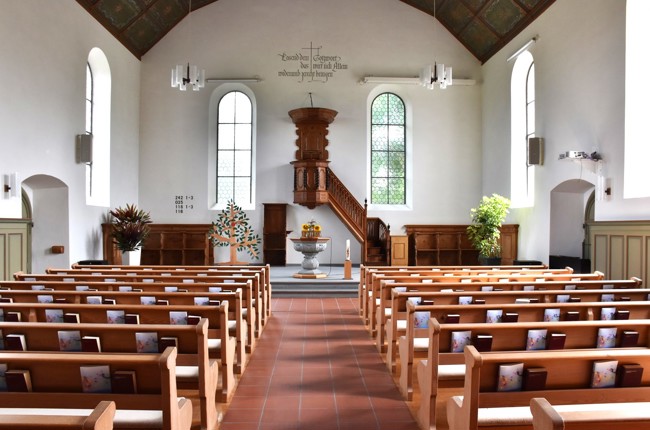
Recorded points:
(421, 343)
(451, 372)
(187, 372)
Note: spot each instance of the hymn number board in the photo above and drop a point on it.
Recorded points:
(183, 203)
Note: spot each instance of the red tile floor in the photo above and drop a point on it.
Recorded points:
(316, 367)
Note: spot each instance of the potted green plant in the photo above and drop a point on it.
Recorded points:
(484, 231)
(130, 228)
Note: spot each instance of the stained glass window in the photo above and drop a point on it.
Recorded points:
(388, 150)
(234, 149)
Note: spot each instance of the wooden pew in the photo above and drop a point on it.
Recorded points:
(635, 416)
(441, 372)
(382, 313)
(259, 300)
(396, 326)
(265, 270)
(568, 383)
(367, 277)
(194, 368)
(220, 345)
(366, 271)
(100, 418)
(248, 309)
(380, 298)
(476, 314)
(239, 327)
(261, 272)
(57, 384)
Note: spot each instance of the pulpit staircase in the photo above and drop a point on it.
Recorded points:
(316, 184)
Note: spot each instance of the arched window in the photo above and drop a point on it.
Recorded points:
(387, 150)
(98, 123)
(522, 123)
(234, 149)
(636, 176)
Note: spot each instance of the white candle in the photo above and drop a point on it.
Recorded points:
(347, 249)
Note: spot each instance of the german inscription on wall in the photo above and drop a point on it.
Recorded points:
(310, 64)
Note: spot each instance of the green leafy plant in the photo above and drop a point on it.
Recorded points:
(130, 227)
(487, 218)
(232, 229)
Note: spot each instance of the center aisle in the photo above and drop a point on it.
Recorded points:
(315, 367)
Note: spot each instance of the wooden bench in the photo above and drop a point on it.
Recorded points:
(100, 418)
(239, 327)
(248, 309)
(194, 368)
(220, 345)
(382, 284)
(473, 275)
(259, 301)
(569, 375)
(365, 272)
(264, 271)
(395, 326)
(532, 312)
(440, 372)
(57, 385)
(384, 306)
(634, 416)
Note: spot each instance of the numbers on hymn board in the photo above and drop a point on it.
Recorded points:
(183, 203)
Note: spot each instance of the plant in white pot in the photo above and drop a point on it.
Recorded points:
(130, 228)
(484, 232)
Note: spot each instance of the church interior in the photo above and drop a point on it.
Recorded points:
(337, 151)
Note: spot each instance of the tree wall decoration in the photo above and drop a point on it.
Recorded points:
(232, 229)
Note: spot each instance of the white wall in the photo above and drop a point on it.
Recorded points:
(243, 38)
(44, 46)
(579, 66)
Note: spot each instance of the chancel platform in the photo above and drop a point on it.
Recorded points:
(332, 285)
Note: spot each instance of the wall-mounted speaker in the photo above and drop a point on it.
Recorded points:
(84, 148)
(535, 151)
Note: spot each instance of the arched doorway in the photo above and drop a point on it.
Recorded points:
(571, 204)
(47, 199)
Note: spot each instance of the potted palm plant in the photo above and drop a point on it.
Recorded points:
(130, 228)
(484, 231)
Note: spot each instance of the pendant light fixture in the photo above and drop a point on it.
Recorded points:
(188, 74)
(438, 74)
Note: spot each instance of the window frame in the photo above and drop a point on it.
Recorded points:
(520, 128)
(213, 146)
(405, 153)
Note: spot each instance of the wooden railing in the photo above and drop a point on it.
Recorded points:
(369, 232)
(346, 206)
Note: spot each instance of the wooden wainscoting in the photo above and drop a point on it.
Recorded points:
(15, 247)
(620, 249)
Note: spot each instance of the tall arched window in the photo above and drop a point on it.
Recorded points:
(98, 123)
(636, 175)
(387, 150)
(235, 149)
(522, 123)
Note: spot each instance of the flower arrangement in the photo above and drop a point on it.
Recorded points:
(311, 229)
(130, 227)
